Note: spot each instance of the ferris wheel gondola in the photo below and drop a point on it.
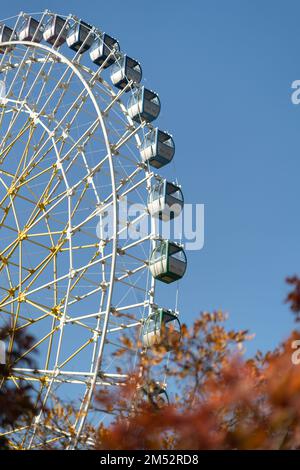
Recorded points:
(80, 37)
(56, 30)
(165, 200)
(157, 148)
(30, 29)
(102, 48)
(162, 327)
(126, 70)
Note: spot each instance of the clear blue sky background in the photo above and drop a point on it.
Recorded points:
(224, 71)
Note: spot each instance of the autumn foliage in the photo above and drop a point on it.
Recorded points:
(222, 401)
(16, 400)
(219, 399)
(244, 407)
(293, 297)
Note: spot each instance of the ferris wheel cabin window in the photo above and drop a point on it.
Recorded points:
(30, 30)
(158, 148)
(102, 48)
(80, 37)
(168, 262)
(6, 34)
(162, 327)
(144, 105)
(56, 30)
(125, 70)
(165, 200)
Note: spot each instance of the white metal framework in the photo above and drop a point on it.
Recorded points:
(69, 156)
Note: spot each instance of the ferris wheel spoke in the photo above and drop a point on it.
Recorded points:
(14, 31)
(28, 51)
(101, 313)
(58, 86)
(5, 151)
(21, 317)
(46, 60)
(133, 286)
(36, 345)
(36, 272)
(12, 105)
(108, 201)
(30, 322)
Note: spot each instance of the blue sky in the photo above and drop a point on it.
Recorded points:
(224, 72)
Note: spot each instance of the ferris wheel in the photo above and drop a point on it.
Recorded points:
(78, 269)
